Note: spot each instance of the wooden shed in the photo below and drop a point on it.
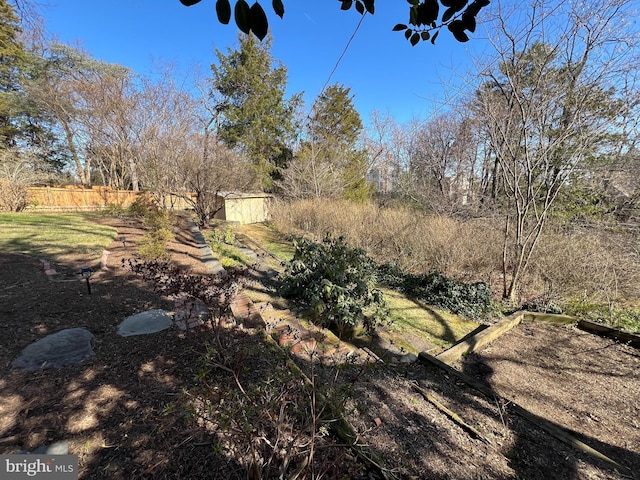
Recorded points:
(243, 207)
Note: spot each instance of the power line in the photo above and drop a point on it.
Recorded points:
(343, 53)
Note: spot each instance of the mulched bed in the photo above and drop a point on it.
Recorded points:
(588, 384)
(111, 408)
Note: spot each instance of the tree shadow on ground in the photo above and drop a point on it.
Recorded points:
(556, 458)
(120, 411)
(417, 440)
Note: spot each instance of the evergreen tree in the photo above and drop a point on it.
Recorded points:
(335, 127)
(255, 116)
(12, 60)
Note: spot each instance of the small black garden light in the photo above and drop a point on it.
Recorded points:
(86, 273)
(123, 239)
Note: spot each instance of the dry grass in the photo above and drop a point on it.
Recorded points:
(418, 242)
(595, 262)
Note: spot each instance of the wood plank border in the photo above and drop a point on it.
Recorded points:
(619, 335)
(479, 340)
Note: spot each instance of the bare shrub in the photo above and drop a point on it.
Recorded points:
(13, 197)
(587, 262)
(593, 262)
(15, 176)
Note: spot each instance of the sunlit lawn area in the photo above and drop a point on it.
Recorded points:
(433, 325)
(229, 256)
(270, 239)
(53, 234)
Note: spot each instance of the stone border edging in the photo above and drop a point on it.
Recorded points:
(207, 257)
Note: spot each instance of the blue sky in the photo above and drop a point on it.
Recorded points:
(384, 72)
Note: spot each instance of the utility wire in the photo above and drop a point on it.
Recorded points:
(343, 53)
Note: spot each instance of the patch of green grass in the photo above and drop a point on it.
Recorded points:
(409, 317)
(270, 239)
(625, 317)
(221, 239)
(433, 325)
(49, 235)
(228, 255)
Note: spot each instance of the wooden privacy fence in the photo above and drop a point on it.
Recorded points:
(234, 207)
(75, 198)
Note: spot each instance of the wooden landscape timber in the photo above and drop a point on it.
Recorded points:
(340, 425)
(452, 415)
(548, 318)
(602, 330)
(551, 428)
(489, 334)
(482, 338)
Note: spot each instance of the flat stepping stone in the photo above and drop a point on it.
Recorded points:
(144, 323)
(66, 347)
(245, 311)
(212, 263)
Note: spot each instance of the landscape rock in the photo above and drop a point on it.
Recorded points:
(58, 448)
(66, 347)
(144, 323)
(408, 358)
(190, 312)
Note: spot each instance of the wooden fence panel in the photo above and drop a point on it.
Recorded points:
(73, 198)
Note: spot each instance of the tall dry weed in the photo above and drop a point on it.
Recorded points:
(599, 264)
(568, 262)
(416, 241)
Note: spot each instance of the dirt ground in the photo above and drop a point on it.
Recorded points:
(585, 384)
(114, 408)
(110, 408)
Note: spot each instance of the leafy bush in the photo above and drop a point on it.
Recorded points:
(113, 210)
(471, 300)
(157, 219)
(222, 236)
(542, 306)
(337, 282)
(141, 205)
(153, 244)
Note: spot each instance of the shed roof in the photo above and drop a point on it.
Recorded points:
(244, 195)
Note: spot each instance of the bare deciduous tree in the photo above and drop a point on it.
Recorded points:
(65, 88)
(549, 109)
(208, 176)
(442, 162)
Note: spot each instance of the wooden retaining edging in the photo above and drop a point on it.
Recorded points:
(551, 428)
(489, 334)
(549, 318)
(624, 337)
(479, 340)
